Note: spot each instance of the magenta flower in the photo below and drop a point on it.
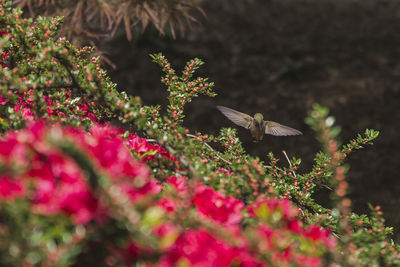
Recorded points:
(11, 188)
(141, 146)
(3, 100)
(179, 184)
(213, 205)
(318, 234)
(200, 248)
(61, 187)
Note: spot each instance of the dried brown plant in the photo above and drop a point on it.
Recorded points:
(99, 18)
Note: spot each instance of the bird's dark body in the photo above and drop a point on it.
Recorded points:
(257, 130)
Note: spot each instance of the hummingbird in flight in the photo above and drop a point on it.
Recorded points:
(257, 125)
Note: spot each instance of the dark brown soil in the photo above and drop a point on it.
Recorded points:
(280, 57)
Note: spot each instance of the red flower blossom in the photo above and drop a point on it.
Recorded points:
(200, 248)
(61, 186)
(213, 205)
(3, 100)
(318, 234)
(108, 150)
(308, 261)
(10, 188)
(25, 104)
(141, 146)
(11, 150)
(179, 184)
(150, 188)
(168, 204)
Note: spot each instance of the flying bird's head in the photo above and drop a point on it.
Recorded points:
(259, 118)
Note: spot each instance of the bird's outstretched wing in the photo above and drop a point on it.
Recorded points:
(237, 117)
(275, 128)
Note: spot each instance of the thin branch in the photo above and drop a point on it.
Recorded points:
(207, 145)
(290, 164)
(324, 185)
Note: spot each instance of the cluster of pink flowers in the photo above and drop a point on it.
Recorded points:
(201, 248)
(37, 168)
(33, 156)
(25, 105)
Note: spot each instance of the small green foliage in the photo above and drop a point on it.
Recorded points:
(181, 88)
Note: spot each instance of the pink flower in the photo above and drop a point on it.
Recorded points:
(199, 248)
(168, 204)
(4, 33)
(150, 188)
(80, 204)
(213, 205)
(224, 171)
(178, 198)
(141, 146)
(111, 153)
(318, 234)
(179, 184)
(61, 187)
(3, 100)
(85, 112)
(11, 188)
(295, 226)
(12, 151)
(308, 261)
(26, 112)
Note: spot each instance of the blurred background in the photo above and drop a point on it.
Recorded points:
(278, 57)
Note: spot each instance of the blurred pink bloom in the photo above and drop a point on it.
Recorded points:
(141, 146)
(212, 204)
(3, 100)
(150, 188)
(318, 234)
(168, 204)
(11, 188)
(179, 184)
(61, 186)
(200, 248)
